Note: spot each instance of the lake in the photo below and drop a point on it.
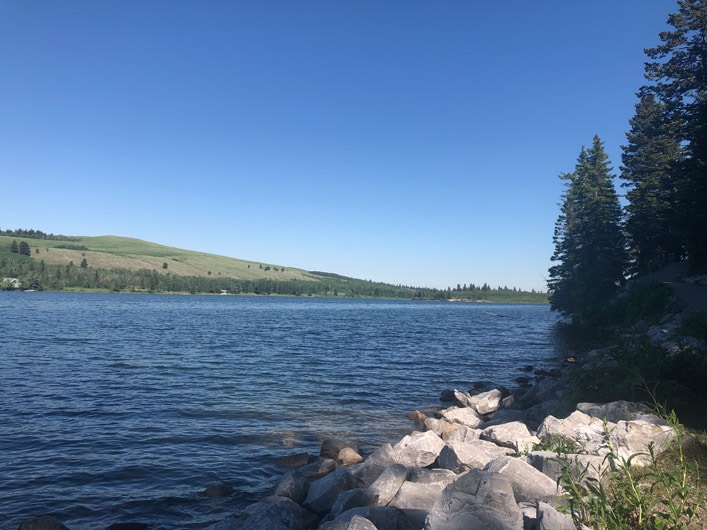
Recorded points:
(124, 408)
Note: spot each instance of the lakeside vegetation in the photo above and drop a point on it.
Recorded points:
(599, 243)
(43, 261)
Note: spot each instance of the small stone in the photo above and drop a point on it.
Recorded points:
(332, 446)
(418, 417)
(348, 457)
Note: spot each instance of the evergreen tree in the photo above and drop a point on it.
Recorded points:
(679, 73)
(14, 248)
(24, 249)
(649, 165)
(588, 239)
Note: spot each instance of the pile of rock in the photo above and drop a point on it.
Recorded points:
(472, 467)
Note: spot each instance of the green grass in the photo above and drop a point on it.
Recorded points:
(113, 253)
(109, 252)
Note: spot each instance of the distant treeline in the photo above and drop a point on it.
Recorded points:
(35, 274)
(36, 234)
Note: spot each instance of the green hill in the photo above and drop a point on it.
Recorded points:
(113, 252)
(45, 261)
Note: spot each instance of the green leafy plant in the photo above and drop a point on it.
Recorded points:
(562, 445)
(657, 496)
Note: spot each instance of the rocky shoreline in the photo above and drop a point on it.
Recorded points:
(471, 465)
(474, 463)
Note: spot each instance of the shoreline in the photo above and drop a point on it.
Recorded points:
(479, 446)
(477, 454)
(319, 467)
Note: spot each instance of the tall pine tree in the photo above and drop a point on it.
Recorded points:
(650, 163)
(678, 71)
(589, 244)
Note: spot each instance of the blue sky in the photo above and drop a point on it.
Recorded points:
(406, 141)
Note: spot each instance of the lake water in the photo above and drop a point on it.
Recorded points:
(124, 408)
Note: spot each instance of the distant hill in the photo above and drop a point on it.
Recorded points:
(114, 263)
(113, 252)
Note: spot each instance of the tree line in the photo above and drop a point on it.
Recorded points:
(36, 234)
(36, 274)
(598, 243)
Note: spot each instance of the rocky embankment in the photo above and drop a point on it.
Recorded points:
(472, 465)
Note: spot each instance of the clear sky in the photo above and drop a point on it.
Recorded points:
(407, 141)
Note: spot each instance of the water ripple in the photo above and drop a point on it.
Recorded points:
(122, 407)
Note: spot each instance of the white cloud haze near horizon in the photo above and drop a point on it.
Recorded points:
(413, 143)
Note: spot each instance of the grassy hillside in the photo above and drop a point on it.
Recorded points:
(112, 252)
(126, 264)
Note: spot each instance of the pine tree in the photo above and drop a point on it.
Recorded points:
(650, 162)
(588, 239)
(679, 72)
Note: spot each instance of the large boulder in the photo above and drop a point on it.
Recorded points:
(418, 449)
(274, 513)
(476, 501)
(441, 427)
(462, 456)
(416, 500)
(293, 485)
(528, 483)
(487, 402)
(548, 518)
(374, 465)
(423, 475)
(466, 416)
(506, 434)
(388, 483)
(634, 438)
(353, 499)
(461, 398)
(383, 517)
(579, 465)
(589, 433)
(463, 434)
(323, 492)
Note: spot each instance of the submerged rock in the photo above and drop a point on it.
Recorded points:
(43, 522)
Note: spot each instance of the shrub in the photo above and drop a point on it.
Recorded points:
(645, 301)
(660, 496)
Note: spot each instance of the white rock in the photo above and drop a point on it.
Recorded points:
(465, 416)
(506, 434)
(419, 449)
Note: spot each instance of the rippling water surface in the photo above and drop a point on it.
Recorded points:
(118, 408)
